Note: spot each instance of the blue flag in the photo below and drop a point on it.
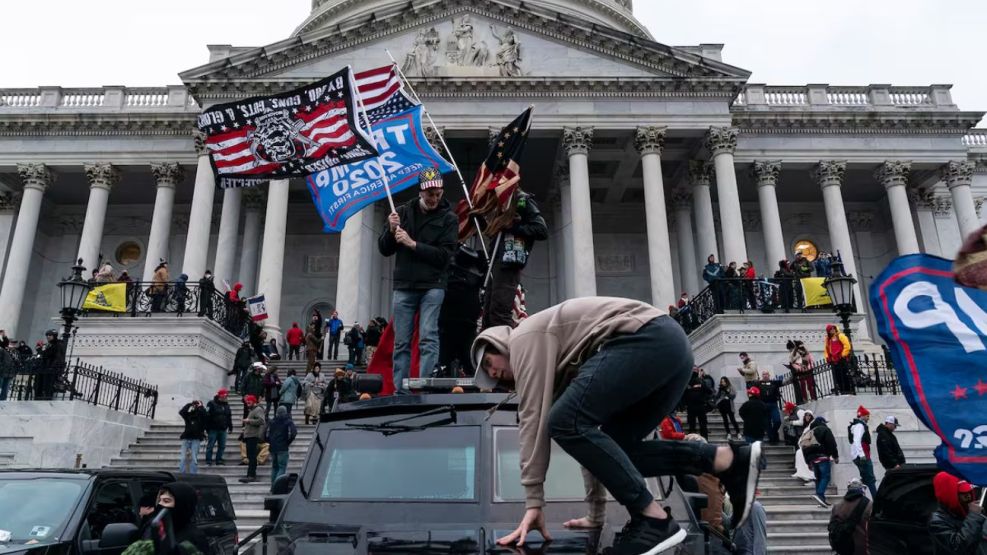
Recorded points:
(342, 191)
(937, 332)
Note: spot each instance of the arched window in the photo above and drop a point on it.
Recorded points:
(808, 249)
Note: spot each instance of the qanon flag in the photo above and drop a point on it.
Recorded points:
(937, 333)
(292, 134)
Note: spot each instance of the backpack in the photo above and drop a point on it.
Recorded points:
(841, 531)
(808, 440)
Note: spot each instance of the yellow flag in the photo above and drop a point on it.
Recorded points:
(815, 292)
(111, 297)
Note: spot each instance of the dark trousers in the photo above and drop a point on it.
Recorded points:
(841, 377)
(251, 443)
(205, 305)
(294, 352)
(774, 422)
(726, 414)
(697, 414)
(498, 307)
(334, 346)
(866, 469)
(617, 399)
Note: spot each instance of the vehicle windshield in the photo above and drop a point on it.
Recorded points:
(434, 464)
(564, 481)
(36, 509)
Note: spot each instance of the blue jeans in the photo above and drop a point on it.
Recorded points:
(216, 436)
(823, 472)
(405, 304)
(616, 401)
(774, 422)
(279, 465)
(191, 447)
(866, 469)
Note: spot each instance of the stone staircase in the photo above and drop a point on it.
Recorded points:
(158, 449)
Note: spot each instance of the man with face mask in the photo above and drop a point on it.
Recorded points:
(959, 525)
(180, 499)
(422, 234)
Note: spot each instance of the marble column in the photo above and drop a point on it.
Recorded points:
(829, 175)
(254, 201)
(893, 174)
(721, 143)
(924, 202)
(568, 249)
(272, 254)
(958, 177)
(352, 277)
(649, 142)
(200, 218)
(577, 142)
(229, 233)
(8, 214)
(167, 177)
(682, 205)
(36, 178)
(765, 174)
(700, 176)
(102, 178)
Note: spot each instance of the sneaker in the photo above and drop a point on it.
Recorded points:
(822, 502)
(220, 463)
(647, 536)
(741, 479)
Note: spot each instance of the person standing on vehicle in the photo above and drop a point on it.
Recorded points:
(819, 449)
(888, 450)
(194, 416)
(253, 432)
(279, 434)
(422, 235)
(585, 375)
(838, 351)
(335, 327)
(860, 443)
(219, 423)
(958, 526)
(697, 396)
(848, 521)
(725, 394)
(755, 415)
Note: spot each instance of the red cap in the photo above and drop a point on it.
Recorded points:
(223, 391)
(861, 411)
(754, 392)
(250, 399)
(790, 407)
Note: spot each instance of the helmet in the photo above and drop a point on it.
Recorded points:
(257, 365)
(51, 332)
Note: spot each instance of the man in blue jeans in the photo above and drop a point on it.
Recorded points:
(422, 234)
(281, 431)
(820, 453)
(219, 423)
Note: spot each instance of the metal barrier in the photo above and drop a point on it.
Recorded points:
(742, 295)
(864, 374)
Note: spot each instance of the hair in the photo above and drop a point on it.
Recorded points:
(743, 354)
(727, 380)
(490, 349)
(790, 345)
(317, 365)
(291, 372)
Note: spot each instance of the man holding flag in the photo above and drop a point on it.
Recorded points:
(422, 236)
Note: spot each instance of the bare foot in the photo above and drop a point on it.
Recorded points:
(579, 523)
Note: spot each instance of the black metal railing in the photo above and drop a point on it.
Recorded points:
(147, 298)
(742, 295)
(37, 379)
(863, 374)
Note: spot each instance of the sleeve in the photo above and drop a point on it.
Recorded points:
(441, 253)
(962, 540)
(386, 243)
(534, 358)
(596, 498)
(183, 412)
(292, 431)
(856, 446)
(830, 441)
(884, 452)
(532, 225)
(846, 346)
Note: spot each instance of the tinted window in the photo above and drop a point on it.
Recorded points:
(214, 504)
(431, 464)
(564, 481)
(113, 503)
(37, 509)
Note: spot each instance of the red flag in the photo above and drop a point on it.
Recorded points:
(383, 360)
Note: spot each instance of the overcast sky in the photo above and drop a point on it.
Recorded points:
(841, 42)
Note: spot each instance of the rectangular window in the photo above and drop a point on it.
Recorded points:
(564, 481)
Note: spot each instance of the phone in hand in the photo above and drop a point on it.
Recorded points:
(163, 532)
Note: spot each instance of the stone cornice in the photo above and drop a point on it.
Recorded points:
(96, 125)
(855, 122)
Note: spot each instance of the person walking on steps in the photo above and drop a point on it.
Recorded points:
(253, 433)
(585, 377)
(725, 394)
(279, 435)
(219, 423)
(819, 449)
(888, 450)
(194, 416)
(849, 521)
(859, 437)
(755, 416)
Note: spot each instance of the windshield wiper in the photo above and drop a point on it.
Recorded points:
(392, 427)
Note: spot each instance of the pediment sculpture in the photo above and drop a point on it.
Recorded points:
(465, 52)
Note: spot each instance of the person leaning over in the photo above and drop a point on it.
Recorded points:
(597, 375)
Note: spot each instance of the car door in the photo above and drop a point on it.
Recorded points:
(113, 501)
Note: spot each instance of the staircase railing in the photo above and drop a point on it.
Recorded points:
(862, 374)
(742, 295)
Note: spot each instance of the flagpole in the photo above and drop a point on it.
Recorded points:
(373, 139)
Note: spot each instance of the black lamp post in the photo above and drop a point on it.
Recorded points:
(840, 288)
(74, 290)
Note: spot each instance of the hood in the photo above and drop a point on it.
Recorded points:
(948, 488)
(498, 337)
(829, 328)
(237, 286)
(818, 421)
(183, 277)
(185, 502)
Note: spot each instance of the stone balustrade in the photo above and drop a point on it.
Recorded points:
(976, 138)
(870, 96)
(135, 99)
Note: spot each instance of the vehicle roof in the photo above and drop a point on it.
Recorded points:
(423, 401)
(87, 473)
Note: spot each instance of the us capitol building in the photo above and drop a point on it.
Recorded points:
(645, 158)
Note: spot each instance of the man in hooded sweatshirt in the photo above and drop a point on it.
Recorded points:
(597, 375)
(851, 539)
(422, 235)
(958, 526)
(180, 499)
(888, 450)
(280, 433)
(294, 338)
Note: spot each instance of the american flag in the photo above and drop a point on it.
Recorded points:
(496, 182)
(382, 92)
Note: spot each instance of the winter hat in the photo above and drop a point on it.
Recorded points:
(861, 411)
(754, 392)
(891, 420)
(790, 407)
(223, 391)
(854, 484)
(430, 178)
(250, 399)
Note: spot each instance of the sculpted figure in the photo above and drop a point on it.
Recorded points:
(508, 53)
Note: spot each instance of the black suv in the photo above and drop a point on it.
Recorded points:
(68, 511)
(431, 473)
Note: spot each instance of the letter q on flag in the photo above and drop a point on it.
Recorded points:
(936, 331)
(258, 308)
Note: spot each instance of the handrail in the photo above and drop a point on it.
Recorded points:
(869, 373)
(765, 295)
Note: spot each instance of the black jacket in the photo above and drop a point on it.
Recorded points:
(827, 443)
(952, 535)
(436, 234)
(281, 431)
(195, 422)
(888, 450)
(755, 416)
(529, 227)
(219, 417)
(696, 397)
(182, 515)
(243, 358)
(372, 336)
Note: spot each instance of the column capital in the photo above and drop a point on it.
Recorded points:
(167, 174)
(562, 174)
(893, 173)
(577, 140)
(829, 173)
(199, 142)
(102, 176)
(922, 197)
(766, 172)
(721, 140)
(10, 202)
(700, 173)
(35, 176)
(433, 136)
(650, 140)
(492, 134)
(943, 207)
(957, 173)
(680, 198)
(254, 198)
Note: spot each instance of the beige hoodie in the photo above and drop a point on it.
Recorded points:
(546, 351)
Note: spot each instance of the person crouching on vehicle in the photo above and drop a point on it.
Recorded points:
(586, 377)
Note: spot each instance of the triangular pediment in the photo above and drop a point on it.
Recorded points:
(467, 40)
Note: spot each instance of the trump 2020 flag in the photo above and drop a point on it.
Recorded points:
(257, 307)
(937, 333)
(292, 134)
